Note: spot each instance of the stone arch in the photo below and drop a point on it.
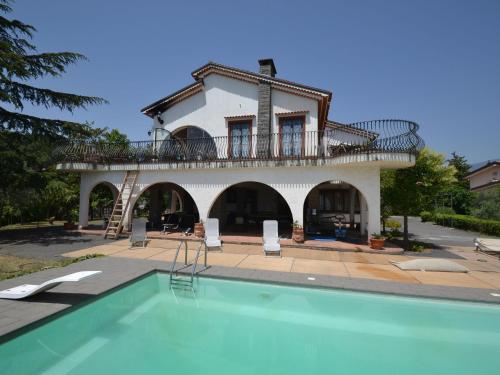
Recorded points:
(368, 186)
(252, 202)
(87, 184)
(114, 191)
(188, 143)
(341, 201)
(179, 192)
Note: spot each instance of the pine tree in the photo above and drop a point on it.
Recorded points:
(27, 140)
(20, 64)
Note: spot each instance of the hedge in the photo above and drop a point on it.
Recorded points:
(466, 222)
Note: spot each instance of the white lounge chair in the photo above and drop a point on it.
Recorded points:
(26, 290)
(212, 235)
(270, 238)
(138, 232)
(487, 245)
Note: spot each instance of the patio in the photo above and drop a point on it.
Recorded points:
(484, 269)
(248, 239)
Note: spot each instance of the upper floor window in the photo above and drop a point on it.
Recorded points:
(240, 139)
(291, 135)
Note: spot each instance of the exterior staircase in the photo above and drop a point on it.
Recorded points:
(115, 224)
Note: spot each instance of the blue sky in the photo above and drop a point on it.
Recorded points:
(434, 62)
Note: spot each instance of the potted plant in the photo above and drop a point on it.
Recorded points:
(377, 241)
(199, 229)
(298, 232)
(71, 216)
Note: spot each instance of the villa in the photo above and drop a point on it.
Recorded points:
(243, 147)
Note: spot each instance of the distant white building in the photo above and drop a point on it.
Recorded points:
(485, 175)
(244, 147)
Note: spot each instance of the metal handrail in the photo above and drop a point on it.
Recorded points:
(172, 268)
(174, 271)
(377, 136)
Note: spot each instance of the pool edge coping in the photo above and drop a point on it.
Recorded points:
(325, 282)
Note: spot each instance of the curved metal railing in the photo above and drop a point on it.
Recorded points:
(377, 136)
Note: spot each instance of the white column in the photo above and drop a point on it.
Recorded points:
(352, 198)
(363, 214)
(374, 208)
(83, 213)
(128, 214)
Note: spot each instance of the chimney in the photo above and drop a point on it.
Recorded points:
(267, 67)
(264, 109)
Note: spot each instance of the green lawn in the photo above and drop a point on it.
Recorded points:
(11, 266)
(39, 224)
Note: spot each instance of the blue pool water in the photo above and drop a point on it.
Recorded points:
(234, 327)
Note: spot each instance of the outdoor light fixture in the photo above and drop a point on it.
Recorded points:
(158, 117)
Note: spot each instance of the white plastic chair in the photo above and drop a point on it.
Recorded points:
(212, 236)
(270, 239)
(138, 232)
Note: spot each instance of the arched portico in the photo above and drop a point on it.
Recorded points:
(205, 184)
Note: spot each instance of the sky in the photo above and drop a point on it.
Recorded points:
(433, 62)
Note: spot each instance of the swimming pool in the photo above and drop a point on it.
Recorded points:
(235, 327)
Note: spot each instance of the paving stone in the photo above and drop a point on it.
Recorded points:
(378, 271)
(262, 262)
(319, 267)
(449, 279)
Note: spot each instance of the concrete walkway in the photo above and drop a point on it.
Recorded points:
(484, 269)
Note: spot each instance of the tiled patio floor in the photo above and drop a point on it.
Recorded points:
(485, 269)
(248, 239)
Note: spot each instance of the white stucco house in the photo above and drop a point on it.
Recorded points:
(247, 146)
(485, 175)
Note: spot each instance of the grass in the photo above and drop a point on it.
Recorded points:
(11, 266)
(35, 224)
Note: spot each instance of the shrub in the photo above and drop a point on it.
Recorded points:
(417, 246)
(444, 211)
(393, 225)
(490, 227)
(426, 216)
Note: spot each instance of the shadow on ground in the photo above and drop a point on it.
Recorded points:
(45, 243)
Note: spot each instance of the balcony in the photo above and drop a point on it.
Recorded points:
(381, 140)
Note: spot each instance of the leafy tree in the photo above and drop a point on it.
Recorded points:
(28, 190)
(412, 190)
(115, 137)
(20, 64)
(487, 204)
(462, 168)
(458, 195)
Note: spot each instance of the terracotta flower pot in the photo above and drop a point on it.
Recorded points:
(377, 243)
(298, 235)
(199, 230)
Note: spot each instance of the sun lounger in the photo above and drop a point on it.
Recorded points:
(138, 232)
(26, 290)
(270, 238)
(487, 245)
(212, 236)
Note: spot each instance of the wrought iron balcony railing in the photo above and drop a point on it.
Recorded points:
(379, 136)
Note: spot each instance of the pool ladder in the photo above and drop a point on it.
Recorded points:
(181, 282)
